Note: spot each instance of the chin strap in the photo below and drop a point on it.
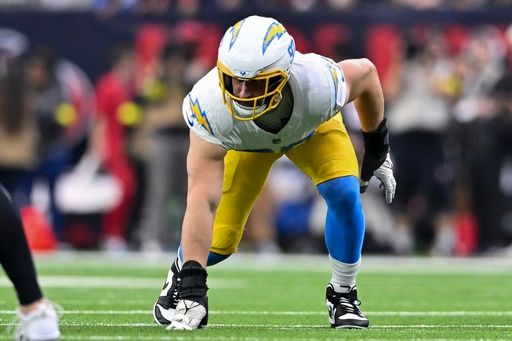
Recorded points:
(245, 111)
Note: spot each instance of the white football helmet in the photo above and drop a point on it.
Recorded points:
(255, 48)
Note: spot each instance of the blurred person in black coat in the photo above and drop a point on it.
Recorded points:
(39, 320)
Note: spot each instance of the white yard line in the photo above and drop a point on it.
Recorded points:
(293, 313)
(201, 338)
(210, 338)
(221, 338)
(120, 283)
(97, 302)
(268, 262)
(249, 326)
(283, 326)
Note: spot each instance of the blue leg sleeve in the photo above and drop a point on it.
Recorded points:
(344, 228)
(213, 258)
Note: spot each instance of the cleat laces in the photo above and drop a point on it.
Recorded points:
(349, 305)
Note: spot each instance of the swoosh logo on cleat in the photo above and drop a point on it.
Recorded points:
(191, 306)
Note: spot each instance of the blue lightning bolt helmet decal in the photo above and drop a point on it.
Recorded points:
(234, 32)
(275, 30)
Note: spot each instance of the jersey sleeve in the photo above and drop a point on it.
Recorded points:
(339, 85)
(198, 120)
(327, 88)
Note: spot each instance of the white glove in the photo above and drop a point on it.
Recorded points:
(376, 161)
(385, 174)
(189, 315)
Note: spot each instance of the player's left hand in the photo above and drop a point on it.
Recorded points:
(385, 174)
(377, 162)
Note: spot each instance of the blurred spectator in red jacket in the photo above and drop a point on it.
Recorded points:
(115, 112)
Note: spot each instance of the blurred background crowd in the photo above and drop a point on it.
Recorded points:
(93, 144)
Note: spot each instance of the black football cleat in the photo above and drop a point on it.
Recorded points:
(165, 307)
(344, 309)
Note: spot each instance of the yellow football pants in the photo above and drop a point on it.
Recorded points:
(327, 155)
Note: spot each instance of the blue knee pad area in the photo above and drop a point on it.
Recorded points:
(344, 227)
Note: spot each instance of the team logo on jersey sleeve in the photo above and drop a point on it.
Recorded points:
(234, 32)
(335, 80)
(200, 115)
(275, 30)
(333, 70)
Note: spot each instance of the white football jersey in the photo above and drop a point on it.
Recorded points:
(319, 92)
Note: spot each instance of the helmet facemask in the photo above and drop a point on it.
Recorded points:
(251, 108)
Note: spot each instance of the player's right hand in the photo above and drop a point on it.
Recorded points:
(190, 314)
(192, 309)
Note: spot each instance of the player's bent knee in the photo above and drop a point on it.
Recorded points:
(344, 229)
(347, 198)
(341, 193)
(225, 240)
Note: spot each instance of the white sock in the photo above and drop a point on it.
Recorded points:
(343, 275)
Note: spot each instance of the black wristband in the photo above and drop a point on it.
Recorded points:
(377, 141)
(192, 280)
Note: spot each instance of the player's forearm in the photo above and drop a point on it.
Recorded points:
(370, 104)
(202, 200)
(197, 232)
(365, 90)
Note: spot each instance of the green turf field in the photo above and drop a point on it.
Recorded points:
(281, 298)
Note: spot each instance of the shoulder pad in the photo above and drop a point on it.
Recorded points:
(204, 111)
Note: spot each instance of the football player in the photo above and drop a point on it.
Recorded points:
(262, 101)
(39, 320)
